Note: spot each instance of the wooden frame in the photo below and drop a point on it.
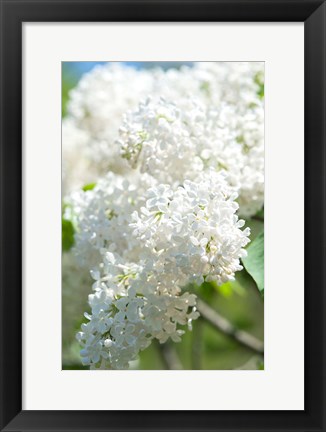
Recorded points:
(13, 14)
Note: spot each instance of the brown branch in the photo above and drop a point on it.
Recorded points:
(222, 324)
(169, 356)
(197, 344)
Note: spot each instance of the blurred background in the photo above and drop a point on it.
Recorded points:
(72, 72)
(205, 347)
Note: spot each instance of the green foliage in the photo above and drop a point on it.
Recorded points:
(226, 290)
(67, 235)
(254, 262)
(260, 214)
(89, 186)
(261, 91)
(259, 80)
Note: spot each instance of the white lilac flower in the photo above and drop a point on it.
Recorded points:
(77, 168)
(236, 145)
(95, 110)
(161, 139)
(115, 333)
(210, 83)
(123, 322)
(235, 83)
(192, 233)
(102, 215)
(105, 94)
(174, 144)
(183, 236)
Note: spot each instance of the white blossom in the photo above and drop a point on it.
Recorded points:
(192, 234)
(226, 89)
(102, 216)
(161, 139)
(124, 322)
(95, 110)
(183, 236)
(174, 144)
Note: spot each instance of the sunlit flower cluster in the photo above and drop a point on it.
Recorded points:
(174, 144)
(176, 156)
(227, 95)
(144, 245)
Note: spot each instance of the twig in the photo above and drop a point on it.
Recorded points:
(197, 344)
(169, 356)
(222, 324)
(251, 364)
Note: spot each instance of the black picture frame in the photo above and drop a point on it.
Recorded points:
(16, 12)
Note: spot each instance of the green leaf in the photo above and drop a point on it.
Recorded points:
(89, 186)
(254, 261)
(67, 235)
(256, 228)
(229, 288)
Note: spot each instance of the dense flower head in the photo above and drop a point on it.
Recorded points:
(236, 145)
(129, 309)
(120, 327)
(174, 144)
(176, 237)
(102, 215)
(161, 139)
(192, 233)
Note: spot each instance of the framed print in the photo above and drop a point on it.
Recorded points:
(162, 223)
